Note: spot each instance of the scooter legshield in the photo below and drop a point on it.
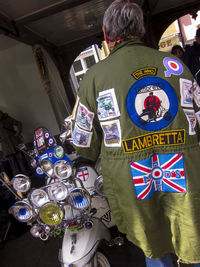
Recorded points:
(79, 247)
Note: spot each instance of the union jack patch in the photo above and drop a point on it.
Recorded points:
(159, 173)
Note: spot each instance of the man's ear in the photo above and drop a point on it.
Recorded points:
(105, 35)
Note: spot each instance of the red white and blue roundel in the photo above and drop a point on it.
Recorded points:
(173, 66)
(152, 103)
(46, 135)
(159, 173)
(51, 141)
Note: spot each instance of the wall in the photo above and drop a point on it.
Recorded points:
(170, 37)
(21, 91)
(189, 27)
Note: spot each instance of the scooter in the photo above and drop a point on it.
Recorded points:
(71, 203)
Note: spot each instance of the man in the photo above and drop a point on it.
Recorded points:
(150, 167)
(192, 57)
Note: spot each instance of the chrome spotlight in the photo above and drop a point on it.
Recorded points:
(62, 169)
(21, 183)
(57, 192)
(47, 167)
(79, 199)
(39, 197)
(22, 211)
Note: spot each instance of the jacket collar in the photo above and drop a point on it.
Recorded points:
(127, 42)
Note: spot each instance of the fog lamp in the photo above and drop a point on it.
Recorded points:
(51, 214)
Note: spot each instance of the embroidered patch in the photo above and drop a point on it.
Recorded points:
(84, 117)
(196, 93)
(198, 116)
(107, 105)
(186, 90)
(75, 108)
(156, 139)
(81, 138)
(152, 103)
(83, 174)
(191, 117)
(159, 173)
(173, 66)
(144, 72)
(112, 133)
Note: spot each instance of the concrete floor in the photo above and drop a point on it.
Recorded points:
(26, 251)
(22, 250)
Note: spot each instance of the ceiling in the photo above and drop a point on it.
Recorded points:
(67, 27)
(56, 23)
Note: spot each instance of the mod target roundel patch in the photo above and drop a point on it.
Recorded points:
(152, 103)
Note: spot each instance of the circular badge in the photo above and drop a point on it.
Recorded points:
(152, 103)
(39, 171)
(46, 135)
(51, 141)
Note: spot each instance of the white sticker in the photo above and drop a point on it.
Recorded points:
(107, 105)
(81, 138)
(186, 89)
(112, 133)
(196, 93)
(75, 108)
(198, 116)
(191, 117)
(83, 174)
(84, 117)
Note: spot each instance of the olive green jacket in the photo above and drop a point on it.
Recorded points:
(148, 146)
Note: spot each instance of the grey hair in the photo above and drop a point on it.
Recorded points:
(123, 19)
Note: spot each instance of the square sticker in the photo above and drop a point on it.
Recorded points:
(84, 117)
(186, 90)
(81, 138)
(112, 133)
(191, 117)
(107, 105)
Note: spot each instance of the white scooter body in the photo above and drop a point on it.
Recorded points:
(79, 247)
(87, 240)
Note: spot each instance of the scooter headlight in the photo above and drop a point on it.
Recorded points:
(22, 211)
(39, 197)
(51, 214)
(47, 167)
(59, 152)
(62, 169)
(79, 199)
(57, 192)
(21, 183)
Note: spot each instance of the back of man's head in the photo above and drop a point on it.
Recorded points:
(123, 19)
